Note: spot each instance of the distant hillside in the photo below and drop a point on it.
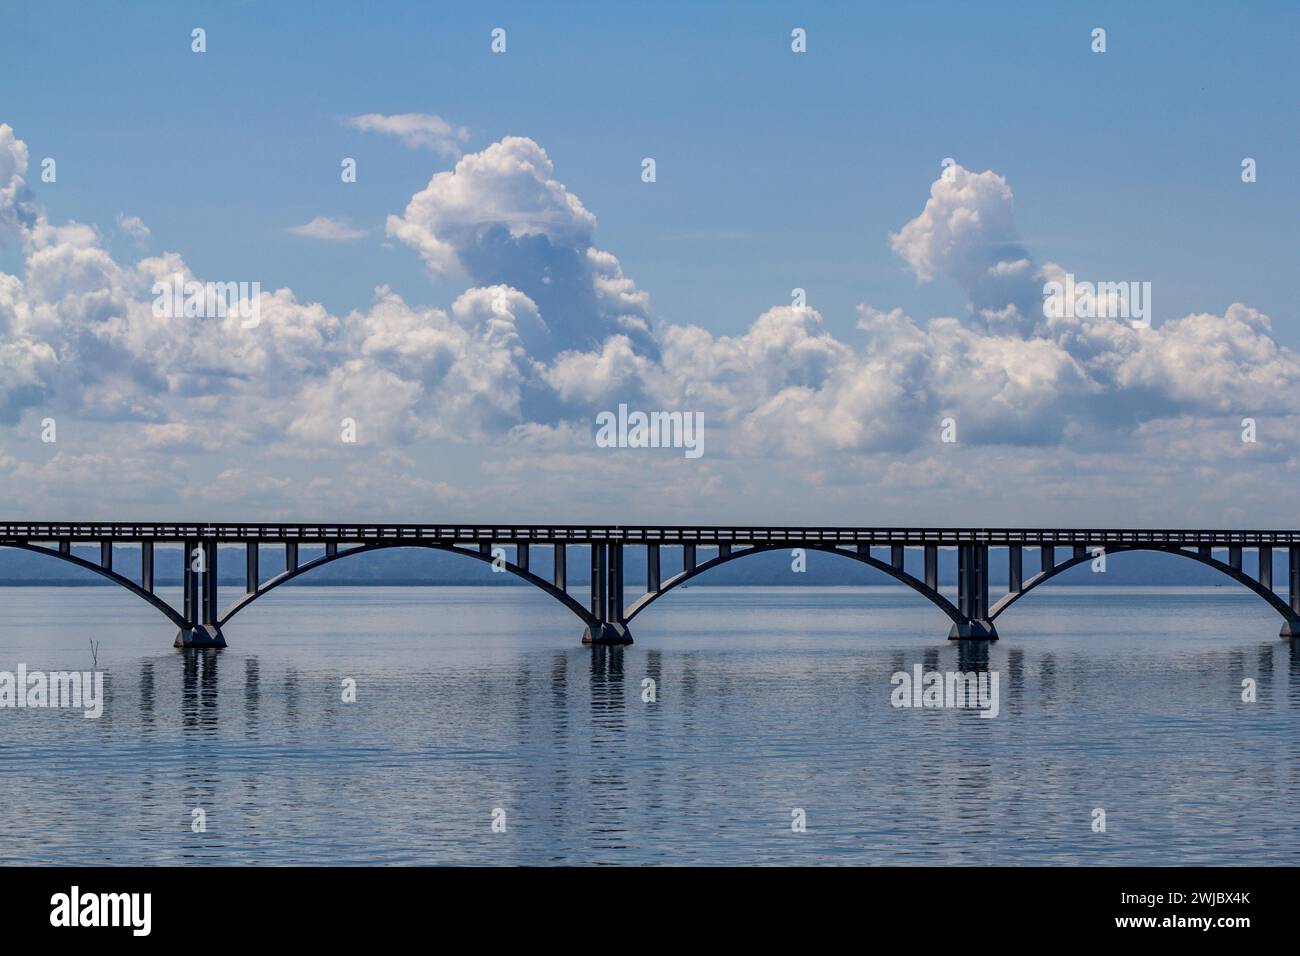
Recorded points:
(416, 566)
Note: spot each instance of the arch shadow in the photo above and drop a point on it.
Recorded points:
(916, 584)
(286, 576)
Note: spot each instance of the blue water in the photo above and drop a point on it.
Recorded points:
(475, 700)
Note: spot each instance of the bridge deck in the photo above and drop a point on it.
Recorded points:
(22, 531)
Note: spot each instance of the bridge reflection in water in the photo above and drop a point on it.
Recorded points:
(200, 620)
(463, 708)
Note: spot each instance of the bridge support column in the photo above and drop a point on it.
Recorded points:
(652, 568)
(201, 611)
(1015, 569)
(251, 572)
(973, 595)
(189, 581)
(1294, 565)
(598, 580)
(615, 589)
(146, 565)
(963, 579)
(1292, 627)
(606, 596)
(210, 611)
(1265, 570)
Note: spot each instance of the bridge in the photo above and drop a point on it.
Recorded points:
(605, 616)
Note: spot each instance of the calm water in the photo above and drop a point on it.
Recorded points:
(472, 699)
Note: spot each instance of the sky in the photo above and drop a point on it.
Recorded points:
(500, 273)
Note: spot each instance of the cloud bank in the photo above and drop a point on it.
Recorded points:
(549, 331)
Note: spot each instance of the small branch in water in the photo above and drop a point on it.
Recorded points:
(94, 653)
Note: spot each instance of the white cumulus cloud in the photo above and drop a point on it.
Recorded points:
(549, 330)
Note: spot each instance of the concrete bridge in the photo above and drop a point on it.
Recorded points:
(200, 619)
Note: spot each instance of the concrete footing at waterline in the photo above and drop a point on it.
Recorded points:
(606, 632)
(973, 631)
(200, 635)
(1290, 629)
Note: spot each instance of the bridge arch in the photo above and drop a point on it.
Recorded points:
(158, 603)
(286, 576)
(898, 574)
(1235, 574)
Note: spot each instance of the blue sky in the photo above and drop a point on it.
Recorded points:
(775, 170)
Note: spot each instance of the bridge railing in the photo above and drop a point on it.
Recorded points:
(636, 534)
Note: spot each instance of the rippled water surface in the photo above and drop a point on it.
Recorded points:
(474, 699)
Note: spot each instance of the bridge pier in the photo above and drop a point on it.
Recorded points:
(200, 587)
(607, 596)
(200, 635)
(973, 631)
(606, 632)
(973, 595)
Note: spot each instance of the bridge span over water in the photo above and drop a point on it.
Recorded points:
(909, 555)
